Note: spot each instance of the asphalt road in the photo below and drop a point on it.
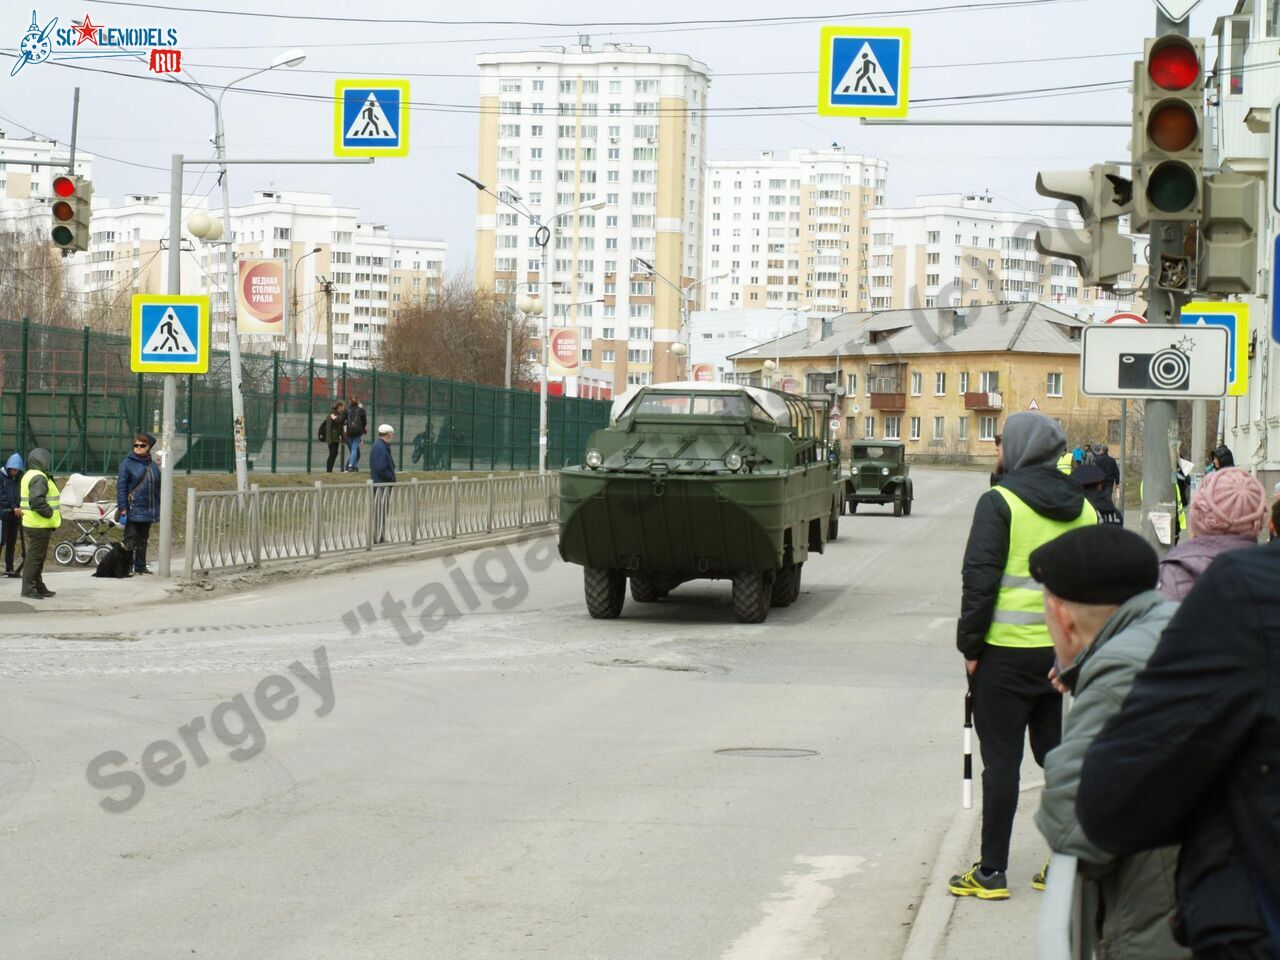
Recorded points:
(494, 775)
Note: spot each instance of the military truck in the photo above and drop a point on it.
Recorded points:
(878, 472)
(700, 481)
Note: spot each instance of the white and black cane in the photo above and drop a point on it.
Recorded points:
(967, 788)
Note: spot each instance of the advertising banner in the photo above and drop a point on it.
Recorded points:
(260, 297)
(704, 372)
(564, 352)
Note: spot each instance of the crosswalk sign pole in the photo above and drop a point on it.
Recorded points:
(168, 414)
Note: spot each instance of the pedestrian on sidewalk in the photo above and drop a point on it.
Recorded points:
(10, 511)
(1226, 514)
(355, 426)
(138, 498)
(1193, 757)
(1002, 632)
(1222, 457)
(1110, 469)
(1093, 482)
(39, 500)
(331, 430)
(382, 469)
(1105, 618)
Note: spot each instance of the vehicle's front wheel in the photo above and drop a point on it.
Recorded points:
(898, 501)
(646, 591)
(853, 506)
(906, 508)
(750, 597)
(605, 590)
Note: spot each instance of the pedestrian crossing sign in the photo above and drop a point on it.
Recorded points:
(371, 118)
(170, 334)
(863, 71)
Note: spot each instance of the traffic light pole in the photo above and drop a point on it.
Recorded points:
(1159, 487)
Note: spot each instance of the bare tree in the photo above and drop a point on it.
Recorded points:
(34, 280)
(460, 333)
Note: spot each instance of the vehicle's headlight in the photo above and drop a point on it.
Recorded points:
(853, 471)
(594, 459)
(733, 461)
(884, 471)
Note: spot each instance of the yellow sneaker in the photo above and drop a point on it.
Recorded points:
(1040, 879)
(975, 882)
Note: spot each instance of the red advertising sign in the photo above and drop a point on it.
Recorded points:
(260, 297)
(704, 372)
(564, 352)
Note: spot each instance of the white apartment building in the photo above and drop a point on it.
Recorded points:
(960, 250)
(784, 232)
(715, 335)
(361, 273)
(1245, 84)
(25, 189)
(564, 127)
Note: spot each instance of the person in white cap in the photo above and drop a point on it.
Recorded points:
(382, 469)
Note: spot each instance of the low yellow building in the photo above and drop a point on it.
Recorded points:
(942, 380)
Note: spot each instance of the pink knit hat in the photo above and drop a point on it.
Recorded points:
(1229, 500)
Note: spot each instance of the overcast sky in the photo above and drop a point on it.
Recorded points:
(136, 119)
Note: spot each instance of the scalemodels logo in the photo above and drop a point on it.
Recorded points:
(85, 39)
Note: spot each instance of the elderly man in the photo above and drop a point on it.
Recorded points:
(382, 469)
(1105, 618)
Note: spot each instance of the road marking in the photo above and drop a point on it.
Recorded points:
(790, 921)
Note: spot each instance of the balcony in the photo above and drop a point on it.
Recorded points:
(983, 401)
(888, 401)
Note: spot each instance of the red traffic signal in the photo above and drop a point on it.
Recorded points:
(64, 187)
(1173, 63)
(71, 213)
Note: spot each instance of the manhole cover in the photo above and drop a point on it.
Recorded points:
(782, 752)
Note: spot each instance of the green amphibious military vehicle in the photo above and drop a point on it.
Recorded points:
(701, 481)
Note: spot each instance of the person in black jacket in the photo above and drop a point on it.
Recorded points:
(356, 426)
(331, 430)
(1110, 470)
(138, 498)
(1002, 632)
(1222, 457)
(10, 511)
(1093, 481)
(382, 469)
(1194, 757)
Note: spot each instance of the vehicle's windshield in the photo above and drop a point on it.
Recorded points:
(874, 453)
(730, 405)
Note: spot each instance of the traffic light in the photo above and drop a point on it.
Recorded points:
(1102, 196)
(72, 197)
(1168, 131)
(1228, 261)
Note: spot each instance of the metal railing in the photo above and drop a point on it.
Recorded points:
(1065, 930)
(226, 529)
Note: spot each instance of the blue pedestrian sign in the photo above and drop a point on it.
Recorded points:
(863, 71)
(170, 334)
(1235, 318)
(371, 118)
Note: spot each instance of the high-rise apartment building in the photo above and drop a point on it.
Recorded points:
(961, 250)
(564, 127)
(361, 273)
(23, 187)
(788, 232)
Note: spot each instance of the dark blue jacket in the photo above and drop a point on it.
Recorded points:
(9, 495)
(382, 466)
(142, 476)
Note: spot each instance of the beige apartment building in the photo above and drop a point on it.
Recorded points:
(785, 232)
(941, 380)
(566, 126)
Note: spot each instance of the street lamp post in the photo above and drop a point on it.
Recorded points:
(293, 305)
(291, 58)
(683, 293)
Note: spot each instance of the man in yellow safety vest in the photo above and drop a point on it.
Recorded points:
(1002, 632)
(39, 500)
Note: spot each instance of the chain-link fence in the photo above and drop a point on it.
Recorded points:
(72, 392)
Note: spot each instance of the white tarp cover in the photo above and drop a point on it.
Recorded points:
(770, 402)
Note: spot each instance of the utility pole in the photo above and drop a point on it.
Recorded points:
(169, 404)
(326, 286)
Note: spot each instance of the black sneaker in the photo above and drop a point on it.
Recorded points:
(46, 592)
(976, 882)
(33, 596)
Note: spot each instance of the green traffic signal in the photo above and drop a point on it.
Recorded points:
(63, 236)
(1172, 187)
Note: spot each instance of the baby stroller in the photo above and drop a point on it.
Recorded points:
(84, 504)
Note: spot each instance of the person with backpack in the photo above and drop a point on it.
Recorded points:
(356, 425)
(138, 498)
(330, 433)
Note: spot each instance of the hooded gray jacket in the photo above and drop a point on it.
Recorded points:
(1137, 892)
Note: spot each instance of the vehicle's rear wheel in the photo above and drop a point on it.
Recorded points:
(605, 591)
(833, 525)
(646, 591)
(64, 552)
(853, 506)
(783, 591)
(750, 597)
(906, 508)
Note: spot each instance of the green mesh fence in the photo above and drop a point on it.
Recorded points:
(71, 391)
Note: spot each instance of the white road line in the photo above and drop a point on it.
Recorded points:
(791, 920)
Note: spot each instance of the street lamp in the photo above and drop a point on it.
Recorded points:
(293, 309)
(290, 58)
(683, 293)
(543, 237)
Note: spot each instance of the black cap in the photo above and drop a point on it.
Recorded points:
(1104, 565)
(1087, 473)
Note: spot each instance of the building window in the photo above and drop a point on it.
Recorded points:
(987, 428)
(939, 427)
(964, 384)
(1054, 387)
(989, 382)
(1113, 431)
(962, 429)
(915, 428)
(939, 384)
(869, 428)
(917, 384)
(853, 385)
(893, 428)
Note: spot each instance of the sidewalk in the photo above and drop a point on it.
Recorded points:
(79, 591)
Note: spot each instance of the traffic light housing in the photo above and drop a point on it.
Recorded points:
(1168, 131)
(1102, 196)
(71, 209)
(1228, 258)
